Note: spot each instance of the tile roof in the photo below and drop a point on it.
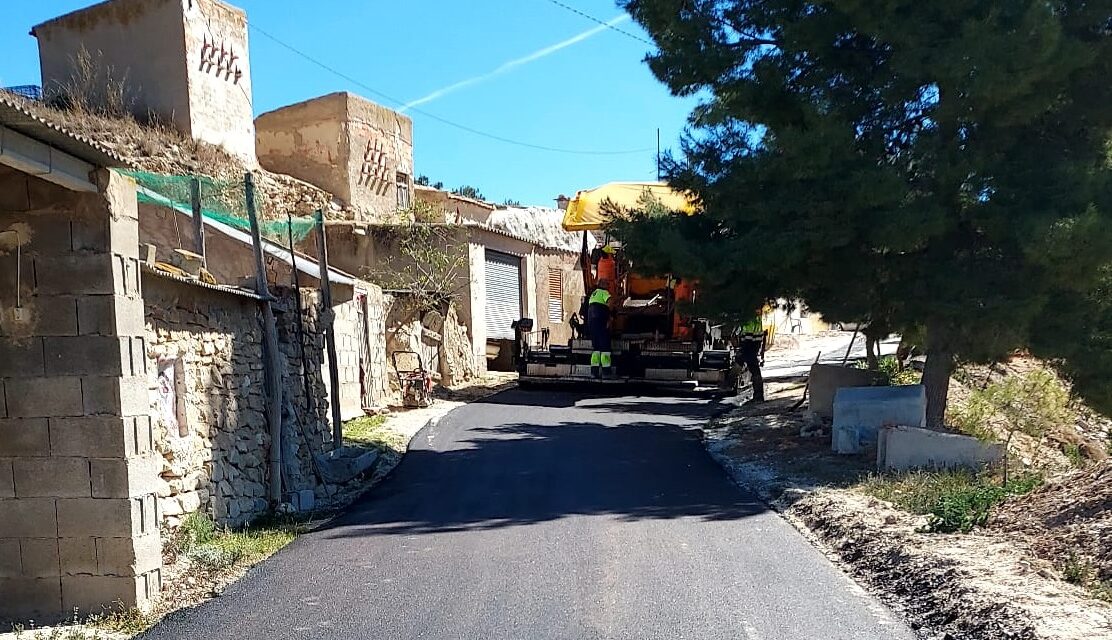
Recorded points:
(15, 116)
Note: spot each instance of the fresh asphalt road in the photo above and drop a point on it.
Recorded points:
(550, 515)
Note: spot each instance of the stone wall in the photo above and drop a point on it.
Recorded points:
(214, 439)
(77, 472)
(204, 350)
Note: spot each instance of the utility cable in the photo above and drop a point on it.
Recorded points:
(605, 24)
(462, 127)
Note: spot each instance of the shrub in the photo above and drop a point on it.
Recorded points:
(1033, 403)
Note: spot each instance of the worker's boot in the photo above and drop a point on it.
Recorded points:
(606, 361)
(596, 372)
(596, 361)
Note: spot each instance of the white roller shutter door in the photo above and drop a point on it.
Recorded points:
(503, 294)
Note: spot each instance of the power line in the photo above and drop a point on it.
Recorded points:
(433, 116)
(605, 24)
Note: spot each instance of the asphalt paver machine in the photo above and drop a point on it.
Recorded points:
(653, 341)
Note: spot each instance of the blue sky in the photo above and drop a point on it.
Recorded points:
(596, 94)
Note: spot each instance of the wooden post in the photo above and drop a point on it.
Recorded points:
(270, 349)
(198, 222)
(329, 334)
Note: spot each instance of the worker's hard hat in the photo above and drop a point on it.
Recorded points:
(608, 250)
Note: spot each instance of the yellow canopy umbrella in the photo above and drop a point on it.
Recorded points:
(586, 212)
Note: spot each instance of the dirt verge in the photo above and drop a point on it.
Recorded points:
(978, 586)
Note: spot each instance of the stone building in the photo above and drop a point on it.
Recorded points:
(185, 62)
(78, 473)
(345, 144)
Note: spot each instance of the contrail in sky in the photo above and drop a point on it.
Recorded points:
(513, 64)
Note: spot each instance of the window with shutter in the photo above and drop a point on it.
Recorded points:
(555, 296)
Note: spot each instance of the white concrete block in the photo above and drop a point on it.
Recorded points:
(900, 448)
(860, 413)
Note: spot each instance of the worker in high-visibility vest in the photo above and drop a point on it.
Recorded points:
(598, 324)
(752, 343)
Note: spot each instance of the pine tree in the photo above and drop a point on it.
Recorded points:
(939, 164)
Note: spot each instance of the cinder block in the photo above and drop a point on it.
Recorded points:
(11, 566)
(134, 396)
(125, 275)
(129, 556)
(133, 477)
(97, 594)
(7, 479)
(138, 356)
(141, 437)
(79, 517)
(110, 315)
(31, 598)
(87, 355)
(40, 557)
(77, 556)
(53, 316)
(100, 396)
(51, 477)
(123, 234)
(23, 359)
(24, 438)
(93, 436)
(90, 234)
(79, 273)
(14, 192)
(43, 397)
(29, 517)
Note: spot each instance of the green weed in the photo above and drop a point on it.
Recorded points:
(371, 432)
(1082, 573)
(216, 550)
(953, 500)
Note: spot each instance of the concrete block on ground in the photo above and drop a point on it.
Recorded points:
(342, 465)
(901, 448)
(302, 501)
(824, 382)
(860, 413)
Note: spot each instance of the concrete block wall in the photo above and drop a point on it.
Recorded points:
(77, 473)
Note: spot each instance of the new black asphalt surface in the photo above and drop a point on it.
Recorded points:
(550, 515)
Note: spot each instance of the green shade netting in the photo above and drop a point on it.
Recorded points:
(221, 201)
